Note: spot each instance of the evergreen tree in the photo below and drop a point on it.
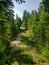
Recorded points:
(25, 18)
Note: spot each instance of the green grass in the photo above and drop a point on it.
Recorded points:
(30, 52)
(41, 53)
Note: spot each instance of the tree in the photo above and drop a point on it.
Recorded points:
(44, 15)
(45, 4)
(18, 23)
(25, 18)
(7, 29)
(20, 1)
(33, 24)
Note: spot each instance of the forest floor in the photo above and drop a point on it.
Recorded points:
(27, 54)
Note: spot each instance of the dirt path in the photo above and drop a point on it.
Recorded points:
(15, 44)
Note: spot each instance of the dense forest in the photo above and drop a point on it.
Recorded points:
(24, 41)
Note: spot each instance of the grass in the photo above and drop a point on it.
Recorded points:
(41, 54)
(29, 53)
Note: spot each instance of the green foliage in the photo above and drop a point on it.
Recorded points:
(18, 23)
(37, 23)
(26, 15)
(8, 30)
(2, 46)
(46, 5)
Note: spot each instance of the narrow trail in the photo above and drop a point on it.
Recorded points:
(27, 49)
(15, 44)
